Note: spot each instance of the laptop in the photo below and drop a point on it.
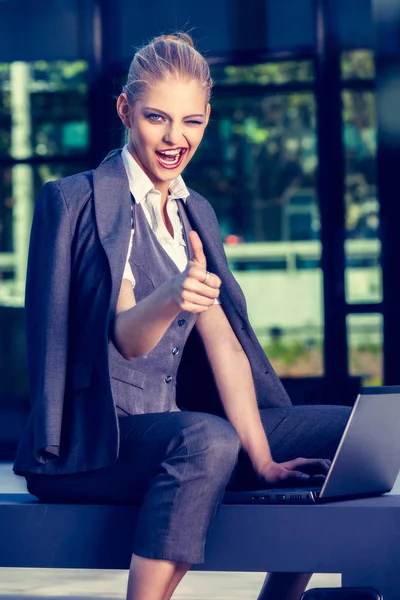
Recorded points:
(366, 463)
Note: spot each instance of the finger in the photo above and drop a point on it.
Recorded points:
(309, 465)
(213, 281)
(197, 299)
(193, 308)
(318, 478)
(197, 248)
(297, 476)
(198, 273)
(194, 286)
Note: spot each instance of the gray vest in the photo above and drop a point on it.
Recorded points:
(147, 384)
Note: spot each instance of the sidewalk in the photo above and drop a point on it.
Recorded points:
(63, 584)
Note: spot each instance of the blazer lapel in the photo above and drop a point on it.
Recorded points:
(231, 295)
(200, 220)
(112, 201)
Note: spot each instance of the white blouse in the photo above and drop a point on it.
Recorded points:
(144, 193)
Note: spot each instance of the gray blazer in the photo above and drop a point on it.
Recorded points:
(78, 247)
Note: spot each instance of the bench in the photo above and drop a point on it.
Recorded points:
(358, 538)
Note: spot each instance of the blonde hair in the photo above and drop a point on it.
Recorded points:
(165, 56)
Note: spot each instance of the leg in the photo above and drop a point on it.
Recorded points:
(284, 586)
(154, 579)
(176, 465)
(306, 431)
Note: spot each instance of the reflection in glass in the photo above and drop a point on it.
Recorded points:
(358, 64)
(277, 73)
(282, 282)
(365, 339)
(363, 272)
(51, 100)
(19, 186)
(257, 166)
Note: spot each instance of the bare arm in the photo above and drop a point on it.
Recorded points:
(234, 381)
(140, 326)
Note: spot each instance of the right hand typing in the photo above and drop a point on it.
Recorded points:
(188, 288)
(293, 471)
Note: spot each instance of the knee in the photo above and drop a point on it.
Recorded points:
(214, 440)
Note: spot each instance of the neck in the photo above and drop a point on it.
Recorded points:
(160, 186)
(163, 188)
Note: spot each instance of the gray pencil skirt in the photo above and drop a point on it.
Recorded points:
(177, 465)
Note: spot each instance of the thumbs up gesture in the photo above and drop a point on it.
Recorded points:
(195, 289)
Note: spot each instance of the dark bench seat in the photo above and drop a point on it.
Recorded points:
(358, 538)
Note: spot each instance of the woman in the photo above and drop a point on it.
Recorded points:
(127, 276)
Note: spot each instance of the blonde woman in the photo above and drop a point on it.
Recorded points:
(147, 382)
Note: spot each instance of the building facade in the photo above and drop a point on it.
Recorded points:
(299, 162)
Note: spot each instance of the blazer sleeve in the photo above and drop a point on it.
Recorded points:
(46, 310)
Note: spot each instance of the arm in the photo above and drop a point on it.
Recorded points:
(139, 327)
(234, 381)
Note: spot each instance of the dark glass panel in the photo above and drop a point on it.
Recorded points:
(363, 272)
(257, 166)
(43, 109)
(277, 73)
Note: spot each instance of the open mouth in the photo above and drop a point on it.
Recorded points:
(171, 159)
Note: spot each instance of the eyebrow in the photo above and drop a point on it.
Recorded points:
(161, 112)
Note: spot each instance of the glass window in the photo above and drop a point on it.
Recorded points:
(282, 282)
(363, 272)
(365, 339)
(19, 186)
(358, 64)
(257, 166)
(290, 25)
(264, 74)
(355, 23)
(43, 109)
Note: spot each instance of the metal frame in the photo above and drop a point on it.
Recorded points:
(387, 22)
(331, 196)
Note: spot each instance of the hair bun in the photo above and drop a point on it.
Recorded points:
(179, 36)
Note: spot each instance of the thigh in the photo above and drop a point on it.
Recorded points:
(145, 441)
(309, 431)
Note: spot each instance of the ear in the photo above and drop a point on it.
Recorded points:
(123, 109)
(208, 112)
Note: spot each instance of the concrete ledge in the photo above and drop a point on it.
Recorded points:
(321, 538)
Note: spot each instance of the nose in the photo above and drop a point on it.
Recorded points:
(173, 135)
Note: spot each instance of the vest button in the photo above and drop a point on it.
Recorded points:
(181, 322)
(168, 379)
(175, 351)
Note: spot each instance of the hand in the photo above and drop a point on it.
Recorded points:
(188, 289)
(294, 471)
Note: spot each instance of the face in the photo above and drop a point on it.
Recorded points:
(166, 126)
